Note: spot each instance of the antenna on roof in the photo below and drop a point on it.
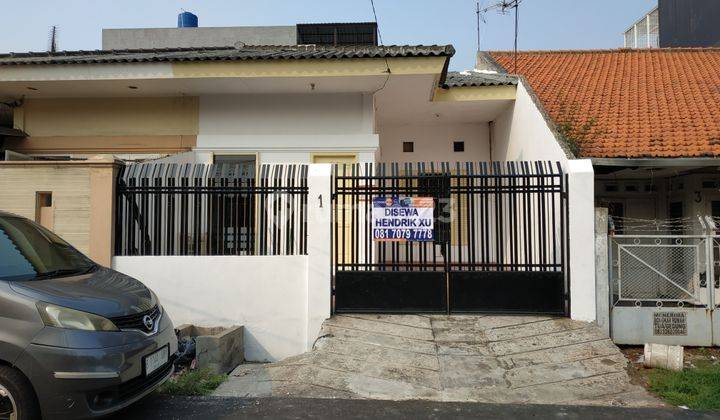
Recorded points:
(477, 12)
(372, 3)
(503, 6)
(379, 34)
(52, 39)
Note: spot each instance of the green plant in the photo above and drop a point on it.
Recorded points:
(192, 383)
(697, 388)
(574, 129)
(703, 351)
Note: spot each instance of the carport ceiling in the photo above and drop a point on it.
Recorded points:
(408, 100)
(188, 86)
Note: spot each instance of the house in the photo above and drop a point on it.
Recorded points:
(649, 120)
(676, 24)
(239, 218)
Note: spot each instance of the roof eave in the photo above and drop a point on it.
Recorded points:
(667, 162)
(250, 53)
(11, 132)
(489, 63)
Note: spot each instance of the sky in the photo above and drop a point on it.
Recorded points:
(544, 24)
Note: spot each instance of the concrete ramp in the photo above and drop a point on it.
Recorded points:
(498, 359)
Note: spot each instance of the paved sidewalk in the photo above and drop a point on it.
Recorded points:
(493, 359)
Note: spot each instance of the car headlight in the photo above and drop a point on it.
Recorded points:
(62, 317)
(157, 302)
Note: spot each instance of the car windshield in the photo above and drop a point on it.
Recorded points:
(30, 252)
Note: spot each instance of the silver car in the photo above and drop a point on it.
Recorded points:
(76, 339)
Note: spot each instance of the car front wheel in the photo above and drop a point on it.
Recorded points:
(17, 398)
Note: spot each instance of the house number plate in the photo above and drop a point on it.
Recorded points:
(670, 323)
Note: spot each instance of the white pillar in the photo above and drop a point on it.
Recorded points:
(581, 202)
(635, 44)
(602, 278)
(318, 240)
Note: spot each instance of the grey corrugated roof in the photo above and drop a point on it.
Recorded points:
(226, 54)
(473, 78)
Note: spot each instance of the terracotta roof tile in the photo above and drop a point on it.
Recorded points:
(646, 103)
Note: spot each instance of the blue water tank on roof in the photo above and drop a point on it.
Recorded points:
(187, 20)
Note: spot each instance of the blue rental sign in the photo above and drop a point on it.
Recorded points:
(402, 218)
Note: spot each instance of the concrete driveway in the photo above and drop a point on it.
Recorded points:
(496, 359)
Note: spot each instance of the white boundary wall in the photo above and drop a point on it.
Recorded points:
(281, 301)
(522, 133)
(264, 294)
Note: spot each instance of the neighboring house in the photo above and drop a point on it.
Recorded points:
(7, 124)
(270, 106)
(677, 23)
(362, 33)
(648, 119)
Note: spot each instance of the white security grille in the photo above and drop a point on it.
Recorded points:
(630, 37)
(644, 33)
(664, 261)
(659, 271)
(653, 25)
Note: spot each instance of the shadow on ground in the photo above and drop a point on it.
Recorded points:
(182, 408)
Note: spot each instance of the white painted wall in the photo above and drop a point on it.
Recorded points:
(434, 142)
(640, 204)
(285, 128)
(297, 148)
(147, 38)
(521, 133)
(288, 114)
(265, 294)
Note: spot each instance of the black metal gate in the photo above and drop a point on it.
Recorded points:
(499, 240)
